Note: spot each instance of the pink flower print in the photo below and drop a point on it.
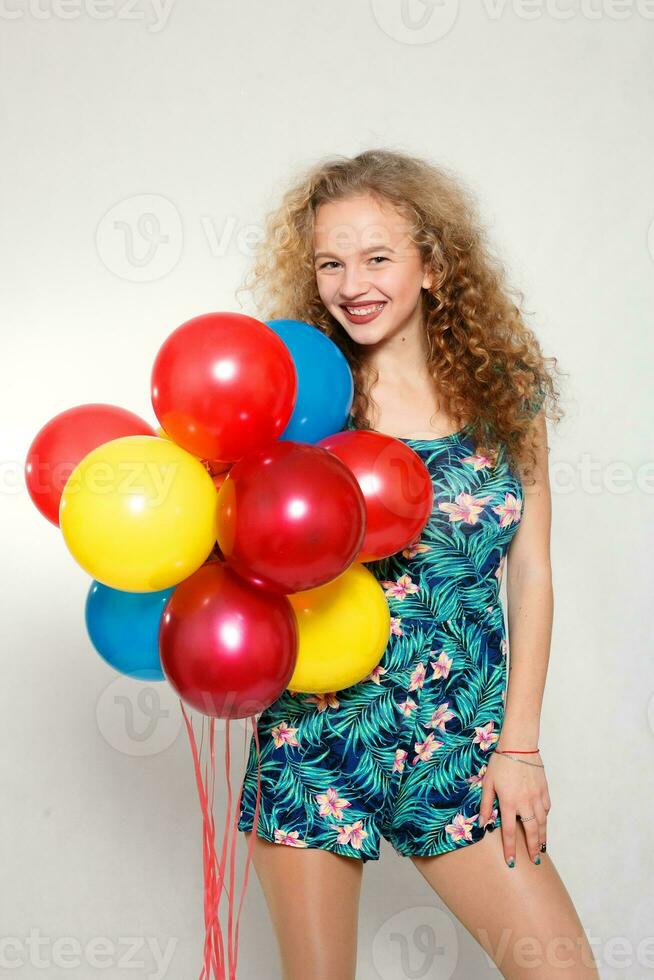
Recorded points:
(352, 833)
(417, 677)
(461, 829)
(442, 665)
(485, 735)
(426, 749)
(503, 647)
(324, 701)
(331, 805)
(466, 507)
(407, 707)
(283, 735)
(477, 780)
(292, 838)
(499, 571)
(510, 510)
(400, 589)
(415, 548)
(375, 674)
(400, 759)
(441, 716)
(396, 629)
(482, 461)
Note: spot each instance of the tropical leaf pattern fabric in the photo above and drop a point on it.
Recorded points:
(402, 753)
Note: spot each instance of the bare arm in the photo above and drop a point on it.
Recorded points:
(530, 607)
(522, 789)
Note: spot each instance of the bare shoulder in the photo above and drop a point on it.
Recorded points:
(540, 473)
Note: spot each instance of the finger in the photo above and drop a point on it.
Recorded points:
(541, 817)
(530, 828)
(486, 803)
(507, 827)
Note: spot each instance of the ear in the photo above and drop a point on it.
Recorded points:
(428, 279)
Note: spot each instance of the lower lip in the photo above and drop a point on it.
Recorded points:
(355, 318)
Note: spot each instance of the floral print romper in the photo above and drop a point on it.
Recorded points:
(402, 753)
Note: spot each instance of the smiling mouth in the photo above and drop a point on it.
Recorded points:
(363, 310)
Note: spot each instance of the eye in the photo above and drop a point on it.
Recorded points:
(382, 257)
(325, 265)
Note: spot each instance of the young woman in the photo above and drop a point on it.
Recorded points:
(437, 749)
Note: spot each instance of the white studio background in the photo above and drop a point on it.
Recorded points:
(143, 143)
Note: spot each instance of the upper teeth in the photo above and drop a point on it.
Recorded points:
(364, 310)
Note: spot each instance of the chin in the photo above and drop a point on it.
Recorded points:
(366, 334)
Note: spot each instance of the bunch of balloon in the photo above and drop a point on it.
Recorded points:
(296, 519)
(226, 548)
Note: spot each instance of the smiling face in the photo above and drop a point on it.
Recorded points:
(368, 271)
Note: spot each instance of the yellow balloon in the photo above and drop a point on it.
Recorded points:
(344, 628)
(139, 513)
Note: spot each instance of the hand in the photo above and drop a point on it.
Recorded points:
(519, 790)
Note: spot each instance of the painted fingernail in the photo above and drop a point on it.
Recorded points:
(543, 847)
(536, 860)
(511, 862)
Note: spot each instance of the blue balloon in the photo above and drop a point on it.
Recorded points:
(124, 629)
(325, 387)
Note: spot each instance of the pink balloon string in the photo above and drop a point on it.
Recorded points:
(212, 960)
(214, 870)
(212, 887)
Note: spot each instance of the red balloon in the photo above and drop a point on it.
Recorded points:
(223, 384)
(290, 517)
(65, 440)
(396, 485)
(215, 467)
(228, 649)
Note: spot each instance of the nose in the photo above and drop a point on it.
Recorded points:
(354, 283)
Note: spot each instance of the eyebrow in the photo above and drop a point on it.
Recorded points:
(366, 251)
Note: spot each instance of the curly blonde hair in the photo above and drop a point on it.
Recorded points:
(488, 364)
